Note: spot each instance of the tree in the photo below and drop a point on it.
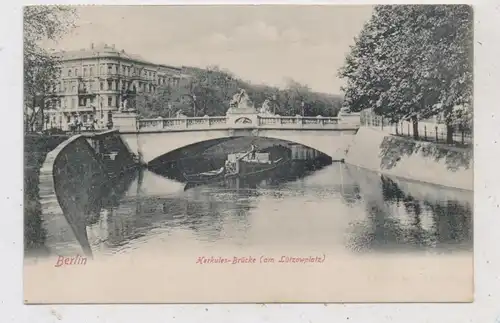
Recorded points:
(299, 95)
(155, 104)
(412, 62)
(209, 91)
(40, 67)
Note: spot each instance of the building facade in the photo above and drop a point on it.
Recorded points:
(96, 81)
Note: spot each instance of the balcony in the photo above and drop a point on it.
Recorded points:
(138, 76)
(128, 92)
(87, 108)
(83, 91)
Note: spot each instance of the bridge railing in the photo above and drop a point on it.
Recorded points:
(299, 121)
(181, 123)
(165, 124)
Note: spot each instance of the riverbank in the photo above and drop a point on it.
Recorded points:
(83, 168)
(36, 148)
(408, 159)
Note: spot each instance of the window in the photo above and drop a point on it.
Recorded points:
(91, 71)
(109, 68)
(124, 69)
(73, 88)
(84, 118)
(102, 70)
(69, 72)
(110, 101)
(76, 72)
(68, 118)
(102, 85)
(73, 103)
(84, 71)
(92, 100)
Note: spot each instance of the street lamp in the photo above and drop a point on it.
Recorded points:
(100, 107)
(194, 105)
(274, 103)
(302, 104)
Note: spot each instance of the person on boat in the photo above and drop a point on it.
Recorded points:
(229, 166)
(253, 151)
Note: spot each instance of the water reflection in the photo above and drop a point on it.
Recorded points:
(406, 215)
(335, 208)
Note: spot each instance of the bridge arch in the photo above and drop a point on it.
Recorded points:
(151, 145)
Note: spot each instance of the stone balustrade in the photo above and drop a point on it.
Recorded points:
(263, 122)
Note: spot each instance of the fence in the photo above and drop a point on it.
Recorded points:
(427, 131)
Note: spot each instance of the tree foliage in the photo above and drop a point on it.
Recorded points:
(208, 92)
(40, 68)
(413, 62)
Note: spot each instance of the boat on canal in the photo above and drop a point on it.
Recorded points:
(242, 165)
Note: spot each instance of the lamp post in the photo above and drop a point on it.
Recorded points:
(101, 119)
(302, 104)
(274, 98)
(194, 105)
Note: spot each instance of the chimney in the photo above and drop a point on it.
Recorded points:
(92, 45)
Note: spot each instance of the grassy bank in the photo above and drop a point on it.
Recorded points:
(36, 148)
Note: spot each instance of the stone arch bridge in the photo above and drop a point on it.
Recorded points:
(153, 138)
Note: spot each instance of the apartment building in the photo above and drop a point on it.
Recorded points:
(100, 79)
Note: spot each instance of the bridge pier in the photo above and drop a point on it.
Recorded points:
(125, 121)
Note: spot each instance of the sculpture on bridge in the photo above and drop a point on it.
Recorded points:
(179, 114)
(266, 108)
(241, 101)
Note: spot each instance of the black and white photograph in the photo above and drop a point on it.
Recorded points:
(248, 153)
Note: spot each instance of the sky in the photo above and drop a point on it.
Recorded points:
(261, 44)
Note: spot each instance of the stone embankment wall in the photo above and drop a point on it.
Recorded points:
(36, 148)
(73, 179)
(408, 159)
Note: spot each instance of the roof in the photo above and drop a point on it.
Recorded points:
(104, 50)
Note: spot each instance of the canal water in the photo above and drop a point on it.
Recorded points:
(336, 209)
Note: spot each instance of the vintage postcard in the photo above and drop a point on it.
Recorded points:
(232, 154)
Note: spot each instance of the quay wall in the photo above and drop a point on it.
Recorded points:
(412, 160)
(73, 179)
(36, 147)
